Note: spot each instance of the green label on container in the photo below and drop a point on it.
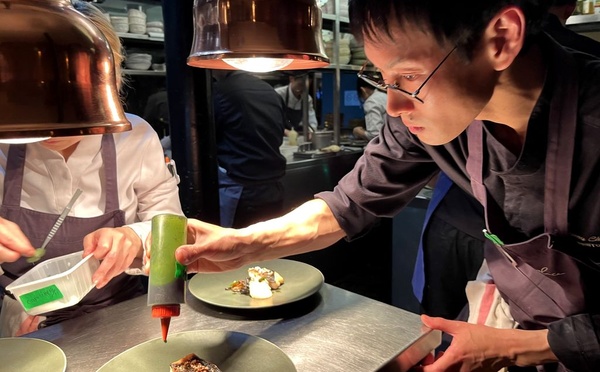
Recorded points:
(41, 296)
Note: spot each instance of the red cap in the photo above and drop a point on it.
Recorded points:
(163, 311)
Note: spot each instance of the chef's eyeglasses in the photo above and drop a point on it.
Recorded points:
(378, 82)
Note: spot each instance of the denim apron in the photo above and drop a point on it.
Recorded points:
(69, 237)
(230, 193)
(538, 279)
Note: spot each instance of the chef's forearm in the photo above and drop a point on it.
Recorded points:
(529, 348)
(309, 227)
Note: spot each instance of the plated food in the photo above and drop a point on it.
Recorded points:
(260, 283)
(301, 281)
(193, 363)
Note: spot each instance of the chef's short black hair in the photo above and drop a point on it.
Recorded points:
(458, 22)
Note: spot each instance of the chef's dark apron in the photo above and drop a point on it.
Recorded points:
(294, 116)
(69, 237)
(230, 193)
(538, 280)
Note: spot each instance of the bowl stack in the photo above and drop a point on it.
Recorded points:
(138, 61)
(119, 23)
(155, 29)
(358, 52)
(344, 54)
(137, 21)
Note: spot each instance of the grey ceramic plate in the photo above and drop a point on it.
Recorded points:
(301, 281)
(230, 351)
(31, 355)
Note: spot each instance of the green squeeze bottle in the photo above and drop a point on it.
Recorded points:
(166, 289)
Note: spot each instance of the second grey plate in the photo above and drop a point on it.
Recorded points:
(301, 281)
(31, 355)
(230, 351)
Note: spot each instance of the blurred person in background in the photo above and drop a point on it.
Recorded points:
(250, 121)
(125, 183)
(292, 96)
(373, 103)
(156, 113)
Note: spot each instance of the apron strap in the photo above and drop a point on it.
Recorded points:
(109, 159)
(13, 178)
(558, 165)
(492, 212)
(15, 164)
(475, 160)
(559, 154)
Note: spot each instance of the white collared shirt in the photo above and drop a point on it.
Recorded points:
(296, 103)
(146, 188)
(375, 113)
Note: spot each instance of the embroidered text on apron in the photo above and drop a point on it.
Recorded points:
(69, 237)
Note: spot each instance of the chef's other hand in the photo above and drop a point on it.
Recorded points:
(213, 249)
(115, 247)
(30, 324)
(13, 243)
(146, 256)
(476, 347)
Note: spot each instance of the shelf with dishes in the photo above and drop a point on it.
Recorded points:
(133, 21)
(133, 72)
(157, 37)
(346, 67)
(332, 18)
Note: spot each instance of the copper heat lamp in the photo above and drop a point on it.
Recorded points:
(257, 35)
(57, 75)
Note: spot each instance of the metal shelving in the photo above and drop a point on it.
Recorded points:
(144, 72)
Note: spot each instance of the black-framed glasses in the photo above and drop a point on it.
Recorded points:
(382, 85)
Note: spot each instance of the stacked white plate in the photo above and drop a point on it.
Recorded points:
(120, 23)
(137, 21)
(155, 29)
(327, 7)
(344, 9)
(358, 52)
(138, 61)
(343, 49)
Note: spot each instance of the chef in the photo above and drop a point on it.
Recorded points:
(292, 96)
(477, 90)
(125, 182)
(373, 103)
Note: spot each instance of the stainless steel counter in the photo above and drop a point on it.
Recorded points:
(333, 330)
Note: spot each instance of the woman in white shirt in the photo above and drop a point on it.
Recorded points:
(125, 183)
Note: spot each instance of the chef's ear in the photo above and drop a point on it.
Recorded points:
(504, 37)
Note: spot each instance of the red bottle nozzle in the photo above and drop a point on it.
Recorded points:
(165, 312)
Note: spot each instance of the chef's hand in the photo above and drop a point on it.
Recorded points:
(210, 248)
(477, 347)
(214, 249)
(13, 243)
(115, 247)
(30, 324)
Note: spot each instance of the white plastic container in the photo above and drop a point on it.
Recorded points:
(55, 284)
